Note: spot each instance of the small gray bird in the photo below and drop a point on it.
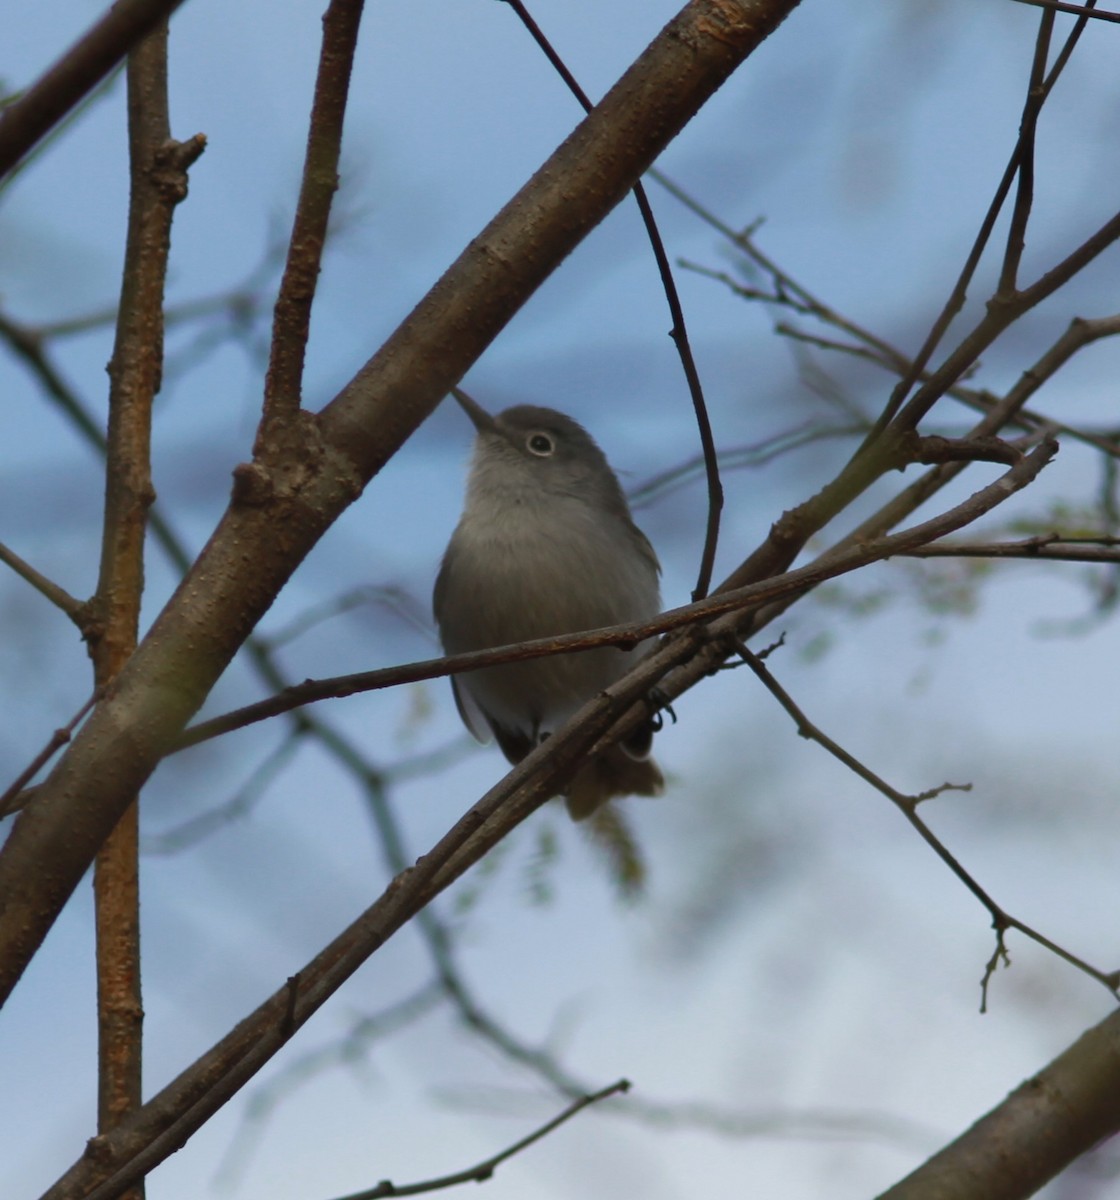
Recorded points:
(545, 546)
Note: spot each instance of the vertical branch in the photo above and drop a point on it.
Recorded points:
(1028, 126)
(291, 320)
(158, 182)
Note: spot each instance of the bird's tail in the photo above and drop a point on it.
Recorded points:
(612, 773)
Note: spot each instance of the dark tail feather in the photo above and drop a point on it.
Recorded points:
(613, 773)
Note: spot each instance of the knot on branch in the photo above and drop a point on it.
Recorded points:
(170, 165)
(252, 486)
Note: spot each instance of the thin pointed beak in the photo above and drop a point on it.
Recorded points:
(481, 419)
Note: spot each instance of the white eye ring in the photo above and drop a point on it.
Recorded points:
(540, 444)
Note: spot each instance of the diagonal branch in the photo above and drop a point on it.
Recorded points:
(1048, 1121)
(75, 609)
(1083, 11)
(1028, 128)
(908, 806)
(484, 1170)
(81, 68)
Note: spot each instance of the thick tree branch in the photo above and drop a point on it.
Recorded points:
(1045, 1124)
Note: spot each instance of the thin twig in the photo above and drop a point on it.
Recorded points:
(789, 294)
(957, 297)
(485, 1169)
(1028, 127)
(1085, 11)
(908, 806)
(823, 1124)
(755, 454)
(679, 331)
(75, 609)
(58, 739)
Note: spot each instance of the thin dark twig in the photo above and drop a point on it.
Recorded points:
(679, 331)
(485, 1169)
(908, 806)
(1028, 127)
(1084, 11)
(75, 609)
(58, 739)
(791, 295)
(81, 68)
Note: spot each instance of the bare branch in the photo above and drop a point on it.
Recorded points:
(9, 798)
(908, 806)
(1035, 1133)
(755, 454)
(76, 610)
(81, 68)
(485, 1169)
(1085, 10)
(1053, 547)
(1024, 193)
(158, 181)
(292, 318)
(991, 325)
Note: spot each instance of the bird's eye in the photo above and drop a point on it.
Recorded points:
(540, 444)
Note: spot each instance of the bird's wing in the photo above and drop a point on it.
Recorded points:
(473, 716)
